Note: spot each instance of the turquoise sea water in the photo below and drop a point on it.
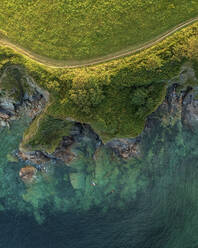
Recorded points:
(150, 202)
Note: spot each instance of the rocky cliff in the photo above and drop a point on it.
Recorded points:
(181, 103)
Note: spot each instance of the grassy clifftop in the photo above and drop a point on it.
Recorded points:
(76, 30)
(114, 97)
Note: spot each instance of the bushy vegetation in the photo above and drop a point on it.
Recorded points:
(45, 133)
(114, 97)
(76, 30)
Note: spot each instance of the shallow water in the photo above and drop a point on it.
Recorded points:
(151, 202)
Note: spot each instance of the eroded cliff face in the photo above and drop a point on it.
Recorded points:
(180, 104)
(19, 95)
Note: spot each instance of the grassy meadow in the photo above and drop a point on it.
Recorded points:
(80, 30)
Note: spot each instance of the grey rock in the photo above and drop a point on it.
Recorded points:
(190, 110)
(3, 123)
(36, 157)
(125, 148)
(7, 105)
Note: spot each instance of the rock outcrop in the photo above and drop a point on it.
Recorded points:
(36, 157)
(19, 94)
(190, 109)
(80, 138)
(28, 174)
(180, 103)
(125, 148)
(63, 151)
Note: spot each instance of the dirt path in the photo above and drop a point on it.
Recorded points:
(74, 64)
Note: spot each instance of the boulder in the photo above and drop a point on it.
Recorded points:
(4, 116)
(3, 124)
(27, 174)
(63, 151)
(125, 148)
(7, 105)
(36, 157)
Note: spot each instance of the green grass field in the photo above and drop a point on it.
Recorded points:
(80, 30)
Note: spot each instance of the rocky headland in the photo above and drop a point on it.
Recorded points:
(180, 104)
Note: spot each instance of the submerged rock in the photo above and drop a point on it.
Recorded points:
(77, 180)
(12, 158)
(125, 148)
(27, 174)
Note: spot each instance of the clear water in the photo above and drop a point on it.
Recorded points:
(151, 202)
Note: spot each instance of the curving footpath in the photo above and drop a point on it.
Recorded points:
(75, 64)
